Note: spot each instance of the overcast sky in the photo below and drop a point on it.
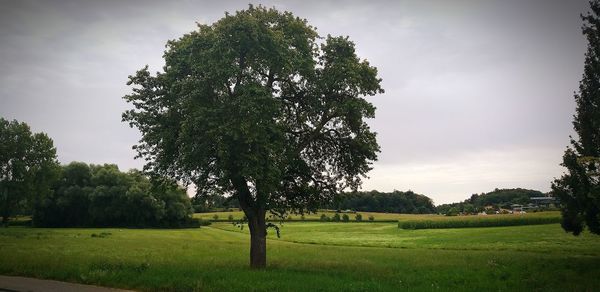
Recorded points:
(479, 94)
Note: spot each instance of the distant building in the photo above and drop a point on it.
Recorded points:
(545, 202)
(516, 207)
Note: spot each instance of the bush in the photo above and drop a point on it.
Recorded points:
(302, 218)
(202, 222)
(336, 217)
(215, 217)
(324, 218)
(345, 218)
(358, 217)
(230, 217)
(371, 218)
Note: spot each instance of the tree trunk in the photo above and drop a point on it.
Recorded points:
(5, 207)
(258, 240)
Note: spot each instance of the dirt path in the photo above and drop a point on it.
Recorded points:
(22, 284)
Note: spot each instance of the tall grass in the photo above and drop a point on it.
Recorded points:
(478, 221)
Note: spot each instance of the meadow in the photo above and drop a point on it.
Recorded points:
(377, 217)
(309, 256)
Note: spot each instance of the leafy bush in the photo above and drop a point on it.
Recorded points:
(230, 217)
(215, 217)
(345, 218)
(358, 217)
(336, 217)
(324, 218)
(371, 218)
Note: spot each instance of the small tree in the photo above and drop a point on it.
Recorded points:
(336, 217)
(324, 218)
(371, 218)
(453, 211)
(358, 217)
(579, 189)
(258, 106)
(230, 217)
(215, 217)
(345, 218)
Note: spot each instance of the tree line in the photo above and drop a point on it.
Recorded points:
(101, 195)
(494, 200)
(33, 183)
(393, 202)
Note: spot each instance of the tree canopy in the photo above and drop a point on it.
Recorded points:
(101, 195)
(27, 166)
(258, 106)
(579, 189)
(393, 202)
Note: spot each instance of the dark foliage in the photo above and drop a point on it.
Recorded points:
(93, 195)
(498, 198)
(579, 188)
(28, 166)
(394, 202)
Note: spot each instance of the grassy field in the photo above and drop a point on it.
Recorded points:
(381, 217)
(386, 217)
(310, 256)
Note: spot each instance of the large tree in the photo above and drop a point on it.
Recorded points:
(579, 189)
(28, 166)
(259, 107)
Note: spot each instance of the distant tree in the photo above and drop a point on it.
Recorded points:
(215, 217)
(258, 106)
(578, 189)
(371, 218)
(498, 198)
(324, 217)
(394, 202)
(336, 217)
(358, 217)
(453, 211)
(469, 208)
(28, 167)
(345, 218)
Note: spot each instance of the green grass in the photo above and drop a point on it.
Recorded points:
(310, 256)
(531, 238)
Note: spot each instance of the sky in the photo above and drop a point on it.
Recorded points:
(478, 94)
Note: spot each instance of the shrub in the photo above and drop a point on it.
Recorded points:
(358, 217)
(336, 217)
(215, 217)
(345, 218)
(371, 218)
(230, 217)
(302, 218)
(202, 222)
(324, 217)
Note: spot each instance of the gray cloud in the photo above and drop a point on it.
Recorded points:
(478, 93)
